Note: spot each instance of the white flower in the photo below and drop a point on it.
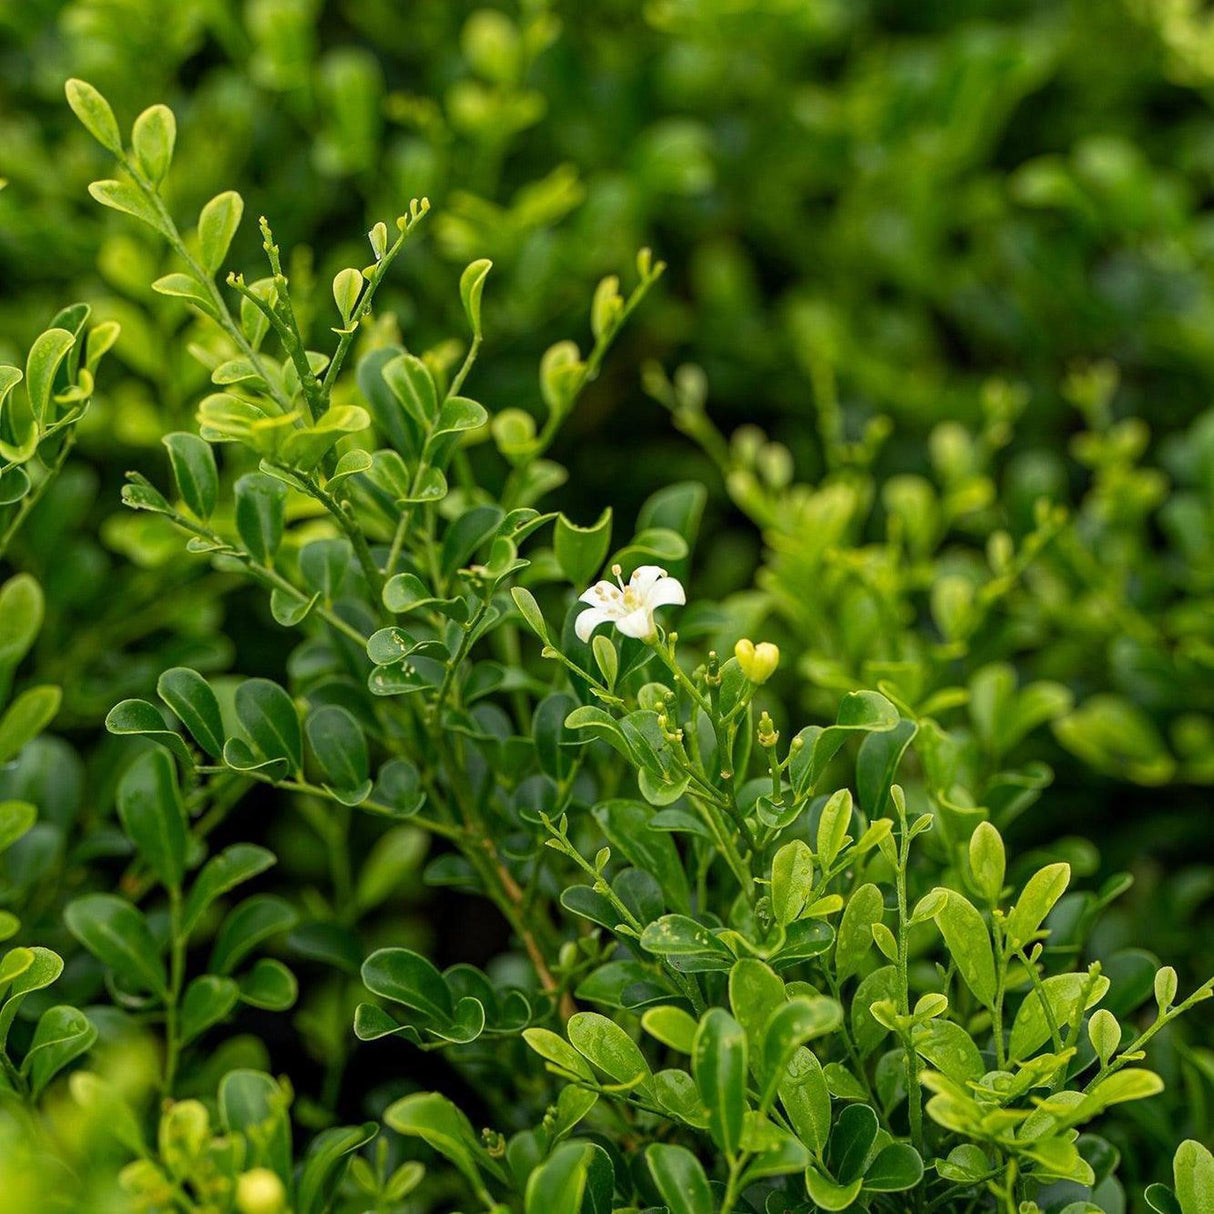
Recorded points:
(630, 608)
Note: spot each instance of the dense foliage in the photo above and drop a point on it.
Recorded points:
(443, 849)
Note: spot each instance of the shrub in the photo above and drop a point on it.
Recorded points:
(752, 963)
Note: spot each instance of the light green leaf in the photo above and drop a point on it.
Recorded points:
(217, 225)
(95, 114)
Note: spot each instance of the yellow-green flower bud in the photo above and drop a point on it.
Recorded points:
(759, 661)
(260, 1191)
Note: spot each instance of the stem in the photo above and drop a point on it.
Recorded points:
(172, 1000)
(35, 495)
(914, 1092)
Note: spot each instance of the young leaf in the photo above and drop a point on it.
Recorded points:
(969, 944)
(1036, 900)
(129, 199)
(471, 288)
(152, 140)
(62, 1035)
(217, 225)
(95, 114)
(42, 365)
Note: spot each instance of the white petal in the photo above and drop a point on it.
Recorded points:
(666, 592)
(644, 577)
(638, 623)
(589, 620)
(601, 594)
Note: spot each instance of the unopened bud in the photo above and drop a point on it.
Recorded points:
(260, 1191)
(768, 735)
(759, 661)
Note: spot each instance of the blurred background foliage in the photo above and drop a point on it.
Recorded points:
(929, 264)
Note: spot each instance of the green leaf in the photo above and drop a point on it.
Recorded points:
(217, 225)
(806, 1099)
(791, 881)
(117, 934)
(558, 1185)
(689, 946)
(339, 745)
(443, 1127)
(851, 1140)
(16, 817)
(152, 814)
(140, 719)
(255, 920)
(827, 1194)
(269, 985)
(1193, 1170)
(457, 415)
(194, 470)
(21, 611)
(231, 867)
(347, 287)
(130, 200)
(987, 862)
(608, 1047)
(269, 717)
(719, 1068)
(529, 609)
(152, 140)
(413, 386)
(969, 943)
(326, 1162)
(190, 697)
(23, 971)
(42, 365)
(25, 718)
(187, 287)
(864, 907)
(208, 1000)
(471, 288)
(260, 514)
(554, 1049)
(671, 1026)
(1036, 900)
(581, 551)
(832, 827)
(62, 1035)
(799, 1020)
(409, 978)
(950, 1049)
(95, 114)
(679, 1179)
(897, 1167)
(1062, 992)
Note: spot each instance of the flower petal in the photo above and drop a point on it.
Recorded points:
(666, 592)
(589, 620)
(638, 623)
(644, 577)
(601, 594)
